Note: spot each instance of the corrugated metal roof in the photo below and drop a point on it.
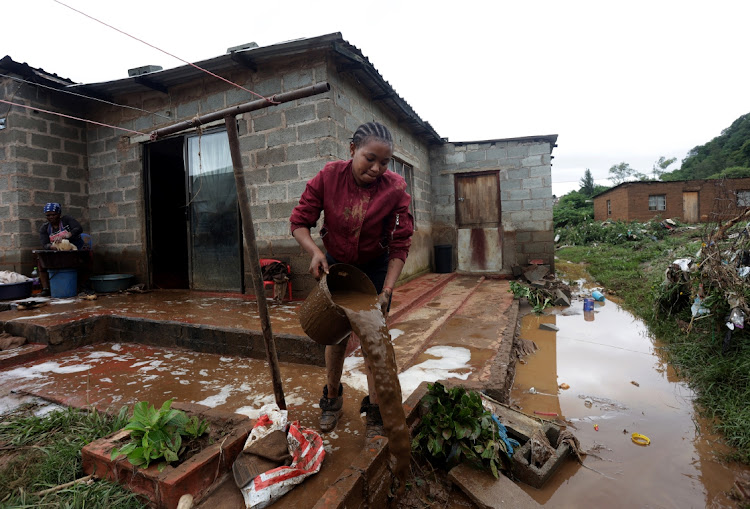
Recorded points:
(32, 73)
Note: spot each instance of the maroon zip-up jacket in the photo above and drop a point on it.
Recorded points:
(360, 224)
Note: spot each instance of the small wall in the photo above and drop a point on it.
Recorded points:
(524, 165)
(42, 159)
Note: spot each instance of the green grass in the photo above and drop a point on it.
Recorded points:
(635, 272)
(43, 452)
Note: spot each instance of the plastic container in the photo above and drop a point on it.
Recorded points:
(321, 318)
(597, 295)
(15, 290)
(588, 304)
(63, 283)
(111, 282)
(444, 259)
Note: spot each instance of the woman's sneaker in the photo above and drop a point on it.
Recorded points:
(373, 421)
(330, 409)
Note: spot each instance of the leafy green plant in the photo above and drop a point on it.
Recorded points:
(458, 427)
(157, 434)
(536, 298)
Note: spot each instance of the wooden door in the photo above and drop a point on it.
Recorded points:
(478, 200)
(478, 218)
(690, 206)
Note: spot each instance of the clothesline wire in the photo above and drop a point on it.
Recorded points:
(83, 95)
(71, 117)
(166, 52)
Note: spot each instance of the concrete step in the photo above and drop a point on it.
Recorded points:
(22, 354)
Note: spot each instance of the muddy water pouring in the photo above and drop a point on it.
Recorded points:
(345, 300)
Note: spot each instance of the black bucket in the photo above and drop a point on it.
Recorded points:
(444, 259)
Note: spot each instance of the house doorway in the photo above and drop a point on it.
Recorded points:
(478, 217)
(193, 218)
(690, 212)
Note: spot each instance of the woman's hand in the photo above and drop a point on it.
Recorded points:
(384, 299)
(318, 265)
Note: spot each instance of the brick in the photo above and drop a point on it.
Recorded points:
(518, 151)
(259, 212)
(30, 183)
(24, 152)
(302, 151)
(116, 223)
(329, 147)
(532, 183)
(256, 176)
(67, 186)
(64, 158)
(315, 130)
(252, 142)
(116, 196)
(127, 209)
(497, 153)
(45, 197)
(268, 86)
(25, 122)
(295, 189)
(283, 173)
(126, 181)
(539, 171)
(281, 137)
(212, 103)
(75, 147)
(273, 192)
(519, 194)
(44, 141)
(265, 122)
(539, 148)
(533, 204)
(476, 155)
(75, 173)
(282, 210)
(455, 158)
(187, 110)
(541, 192)
(271, 156)
(300, 114)
(297, 79)
(46, 170)
(132, 194)
(310, 168)
(126, 237)
(532, 161)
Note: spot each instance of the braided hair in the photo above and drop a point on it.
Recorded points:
(372, 130)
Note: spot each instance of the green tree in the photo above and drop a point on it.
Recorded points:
(619, 173)
(730, 149)
(587, 184)
(661, 165)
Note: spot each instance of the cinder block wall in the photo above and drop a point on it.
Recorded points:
(525, 194)
(41, 160)
(282, 148)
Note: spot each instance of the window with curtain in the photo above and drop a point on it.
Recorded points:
(657, 202)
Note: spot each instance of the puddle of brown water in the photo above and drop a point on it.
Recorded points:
(598, 359)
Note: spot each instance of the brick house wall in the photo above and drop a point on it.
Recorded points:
(717, 200)
(42, 159)
(525, 193)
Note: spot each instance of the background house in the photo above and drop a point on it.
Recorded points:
(166, 210)
(690, 201)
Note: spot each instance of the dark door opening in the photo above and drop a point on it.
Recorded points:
(168, 216)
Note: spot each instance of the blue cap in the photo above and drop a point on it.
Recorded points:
(52, 207)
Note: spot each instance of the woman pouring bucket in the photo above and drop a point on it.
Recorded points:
(366, 224)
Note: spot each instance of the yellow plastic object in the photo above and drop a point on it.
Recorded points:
(639, 439)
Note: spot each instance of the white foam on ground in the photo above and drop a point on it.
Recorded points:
(217, 399)
(32, 316)
(117, 347)
(395, 333)
(39, 370)
(451, 360)
(99, 355)
(63, 301)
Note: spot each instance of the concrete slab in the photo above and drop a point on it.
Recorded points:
(490, 493)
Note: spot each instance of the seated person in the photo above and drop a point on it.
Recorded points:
(51, 234)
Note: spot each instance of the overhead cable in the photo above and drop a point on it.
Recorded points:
(69, 116)
(166, 52)
(85, 96)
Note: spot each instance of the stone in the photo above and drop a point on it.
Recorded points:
(549, 326)
(561, 299)
(536, 272)
(487, 492)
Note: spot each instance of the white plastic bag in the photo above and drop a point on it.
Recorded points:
(306, 448)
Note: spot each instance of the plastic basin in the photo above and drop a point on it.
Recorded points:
(15, 290)
(111, 282)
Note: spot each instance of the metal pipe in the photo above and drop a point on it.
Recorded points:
(252, 251)
(233, 111)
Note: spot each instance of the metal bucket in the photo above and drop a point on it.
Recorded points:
(320, 317)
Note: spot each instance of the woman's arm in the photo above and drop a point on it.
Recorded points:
(318, 264)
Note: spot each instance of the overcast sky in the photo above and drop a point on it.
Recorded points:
(617, 81)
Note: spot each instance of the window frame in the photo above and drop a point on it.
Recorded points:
(609, 207)
(655, 207)
(406, 170)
